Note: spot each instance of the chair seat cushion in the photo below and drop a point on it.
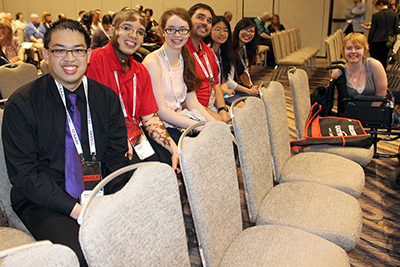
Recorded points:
(328, 169)
(315, 208)
(273, 245)
(359, 155)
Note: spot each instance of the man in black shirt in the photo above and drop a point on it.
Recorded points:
(34, 137)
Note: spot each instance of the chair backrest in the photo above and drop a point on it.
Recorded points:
(252, 136)
(209, 171)
(286, 41)
(277, 47)
(16, 76)
(293, 40)
(42, 253)
(275, 104)
(330, 50)
(140, 225)
(298, 37)
(298, 80)
(282, 46)
(21, 35)
(44, 67)
(5, 189)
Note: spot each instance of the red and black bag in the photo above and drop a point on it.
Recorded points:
(334, 131)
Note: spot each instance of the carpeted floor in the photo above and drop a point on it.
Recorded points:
(379, 244)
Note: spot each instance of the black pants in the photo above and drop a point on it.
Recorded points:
(270, 52)
(379, 51)
(47, 224)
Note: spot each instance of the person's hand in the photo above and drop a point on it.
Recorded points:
(76, 211)
(254, 90)
(226, 90)
(225, 116)
(129, 153)
(367, 25)
(175, 161)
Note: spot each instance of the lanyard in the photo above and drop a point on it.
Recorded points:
(74, 134)
(210, 75)
(178, 101)
(122, 101)
(245, 57)
(220, 68)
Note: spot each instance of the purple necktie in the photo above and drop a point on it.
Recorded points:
(73, 166)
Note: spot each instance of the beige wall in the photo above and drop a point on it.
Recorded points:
(311, 16)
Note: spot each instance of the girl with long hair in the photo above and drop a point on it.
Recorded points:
(173, 74)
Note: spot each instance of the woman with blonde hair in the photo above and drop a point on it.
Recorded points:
(46, 20)
(11, 45)
(364, 76)
(173, 75)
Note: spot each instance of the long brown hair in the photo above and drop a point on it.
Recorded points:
(190, 77)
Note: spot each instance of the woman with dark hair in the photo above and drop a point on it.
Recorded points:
(114, 67)
(86, 22)
(20, 23)
(244, 50)
(101, 35)
(220, 41)
(173, 75)
(275, 25)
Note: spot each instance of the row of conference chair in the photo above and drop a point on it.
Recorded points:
(299, 223)
(288, 51)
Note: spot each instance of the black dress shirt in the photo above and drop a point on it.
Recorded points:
(33, 135)
(383, 24)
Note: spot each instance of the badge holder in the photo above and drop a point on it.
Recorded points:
(91, 177)
(139, 141)
(212, 94)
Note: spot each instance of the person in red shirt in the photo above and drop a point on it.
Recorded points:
(114, 67)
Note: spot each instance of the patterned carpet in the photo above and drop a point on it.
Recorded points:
(379, 244)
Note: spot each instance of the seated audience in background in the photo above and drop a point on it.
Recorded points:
(264, 36)
(9, 17)
(41, 157)
(228, 15)
(220, 41)
(87, 22)
(20, 23)
(114, 67)
(365, 76)
(153, 34)
(11, 45)
(355, 17)
(244, 50)
(62, 16)
(173, 75)
(96, 20)
(210, 94)
(275, 25)
(101, 36)
(46, 20)
(150, 21)
(80, 14)
(384, 24)
(34, 33)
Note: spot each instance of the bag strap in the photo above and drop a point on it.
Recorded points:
(313, 115)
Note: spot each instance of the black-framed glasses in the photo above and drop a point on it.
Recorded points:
(130, 30)
(64, 52)
(172, 31)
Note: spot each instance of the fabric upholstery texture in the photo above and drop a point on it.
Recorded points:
(208, 168)
(272, 245)
(5, 189)
(140, 225)
(324, 168)
(10, 237)
(298, 80)
(45, 255)
(13, 78)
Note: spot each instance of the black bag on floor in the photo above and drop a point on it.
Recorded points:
(334, 131)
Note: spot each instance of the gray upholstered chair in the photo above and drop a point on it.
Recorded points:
(335, 216)
(5, 189)
(10, 238)
(140, 225)
(41, 253)
(13, 78)
(44, 67)
(298, 80)
(209, 171)
(324, 168)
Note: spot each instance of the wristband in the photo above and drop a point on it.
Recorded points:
(223, 108)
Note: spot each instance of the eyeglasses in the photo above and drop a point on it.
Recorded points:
(130, 30)
(172, 31)
(64, 52)
(249, 30)
(221, 31)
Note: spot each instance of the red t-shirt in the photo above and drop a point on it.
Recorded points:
(203, 94)
(104, 62)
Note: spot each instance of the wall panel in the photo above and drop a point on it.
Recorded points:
(254, 8)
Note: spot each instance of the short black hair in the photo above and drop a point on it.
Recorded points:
(80, 12)
(384, 2)
(67, 24)
(193, 9)
(107, 19)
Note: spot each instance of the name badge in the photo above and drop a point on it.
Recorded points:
(212, 98)
(91, 177)
(139, 141)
